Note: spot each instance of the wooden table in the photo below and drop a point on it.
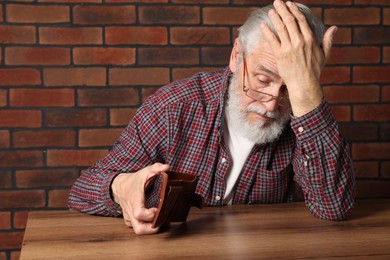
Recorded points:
(229, 232)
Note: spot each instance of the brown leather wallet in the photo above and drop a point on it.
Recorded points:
(172, 194)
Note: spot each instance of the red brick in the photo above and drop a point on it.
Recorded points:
(136, 1)
(58, 198)
(385, 94)
(17, 77)
(216, 55)
(260, 3)
(385, 131)
(138, 76)
(372, 189)
(199, 35)
(76, 118)
(45, 178)
(74, 157)
(31, 13)
(341, 113)
(352, 16)
(370, 151)
(371, 112)
(17, 34)
(359, 131)
(41, 97)
(356, 55)
(22, 199)
(386, 16)
(108, 97)
(20, 118)
(372, 2)
(181, 73)
(74, 76)
(96, 55)
(386, 54)
(137, 35)
(20, 219)
(4, 139)
(335, 75)
(11, 240)
(5, 220)
(371, 74)
(3, 97)
(5, 179)
(169, 14)
(366, 169)
(343, 36)
(385, 169)
(168, 56)
(353, 94)
(66, 35)
(70, 1)
(1, 14)
(37, 56)
(225, 15)
(104, 14)
(371, 35)
(11, 159)
(200, 1)
(121, 116)
(147, 92)
(44, 138)
(98, 137)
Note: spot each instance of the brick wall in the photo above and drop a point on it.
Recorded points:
(73, 72)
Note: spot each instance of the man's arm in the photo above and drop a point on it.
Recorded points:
(114, 185)
(321, 162)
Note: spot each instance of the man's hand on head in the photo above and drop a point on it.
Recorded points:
(299, 58)
(128, 192)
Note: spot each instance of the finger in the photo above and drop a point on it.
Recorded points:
(288, 20)
(270, 37)
(301, 19)
(155, 168)
(327, 42)
(144, 228)
(143, 214)
(279, 26)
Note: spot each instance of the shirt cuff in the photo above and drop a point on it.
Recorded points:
(113, 207)
(313, 123)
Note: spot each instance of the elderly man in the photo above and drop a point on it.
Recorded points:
(248, 132)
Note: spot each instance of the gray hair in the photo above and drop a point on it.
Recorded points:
(250, 32)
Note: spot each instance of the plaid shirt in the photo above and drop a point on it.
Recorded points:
(182, 124)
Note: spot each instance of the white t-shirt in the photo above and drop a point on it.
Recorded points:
(239, 148)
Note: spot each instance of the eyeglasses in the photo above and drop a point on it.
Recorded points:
(260, 95)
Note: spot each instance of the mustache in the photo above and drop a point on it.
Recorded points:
(262, 111)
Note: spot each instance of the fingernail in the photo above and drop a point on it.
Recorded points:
(277, 2)
(288, 3)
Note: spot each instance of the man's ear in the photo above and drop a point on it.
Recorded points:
(234, 56)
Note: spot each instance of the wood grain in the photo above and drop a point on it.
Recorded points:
(229, 232)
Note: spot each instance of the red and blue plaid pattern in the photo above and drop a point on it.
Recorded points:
(181, 125)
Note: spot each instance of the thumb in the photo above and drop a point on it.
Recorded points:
(155, 169)
(328, 41)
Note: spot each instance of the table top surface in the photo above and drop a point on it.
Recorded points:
(229, 232)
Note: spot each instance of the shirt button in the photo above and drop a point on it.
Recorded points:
(217, 198)
(223, 161)
(300, 129)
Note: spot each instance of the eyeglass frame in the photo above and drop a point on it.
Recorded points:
(246, 89)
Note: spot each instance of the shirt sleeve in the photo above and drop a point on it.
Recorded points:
(322, 164)
(137, 147)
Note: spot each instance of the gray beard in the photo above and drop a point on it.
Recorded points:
(255, 132)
